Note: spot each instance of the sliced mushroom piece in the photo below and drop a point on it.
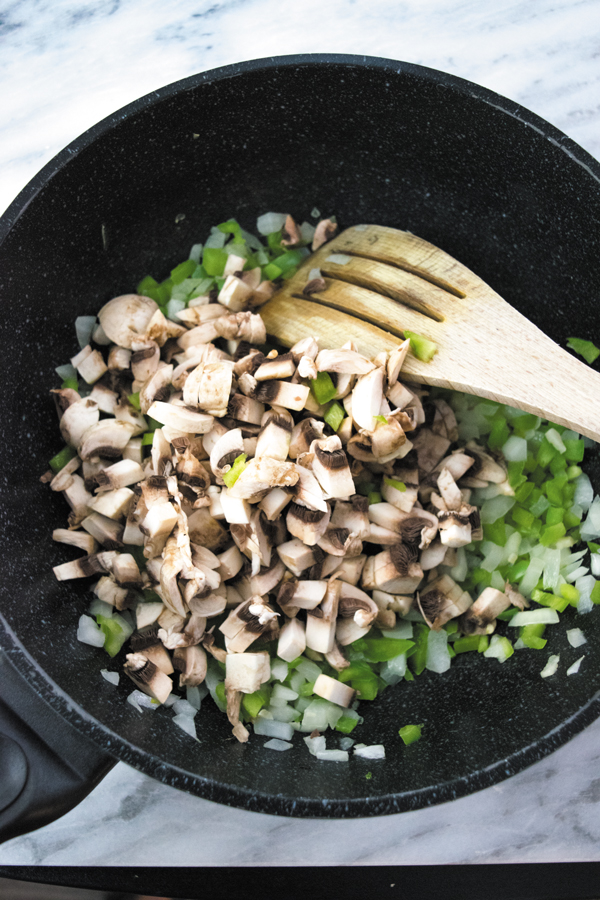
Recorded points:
(485, 468)
(156, 387)
(106, 438)
(63, 479)
(109, 591)
(321, 621)
(225, 451)
(78, 498)
(246, 409)
(157, 526)
(160, 329)
(242, 326)
(208, 387)
(235, 294)
(246, 623)
(455, 528)
(106, 531)
(387, 439)
(443, 599)
(377, 534)
(340, 542)
(246, 672)
(324, 232)
(356, 604)
(80, 539)
(333, 690)
(282, 393)
(336, 658)
(433, 556)
(77, 419)
(268, 577)
(275, 502)
(126, 572)
(367, 397)
(353, 515)
(260, 475)
(113, 504)
(292, 640)
(191, 663)
(236, 511)
(480, 618)
(307, 368)
(125, 319)
(348, 569)
(308, 525)
(297, 557)
(308, 491)
(403, 500)
(85, 566)
(148, 677)
(275, 434)
(305, 347)
(444, 420)
(188, 421)
(331, 469)
(344, 361)
(396, 570)
(119, 475)
(90, 364)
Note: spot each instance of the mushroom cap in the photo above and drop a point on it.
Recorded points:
(125, 319)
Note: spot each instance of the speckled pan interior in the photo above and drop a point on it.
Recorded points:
(367, 140)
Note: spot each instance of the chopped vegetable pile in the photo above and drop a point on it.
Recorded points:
(293, 532)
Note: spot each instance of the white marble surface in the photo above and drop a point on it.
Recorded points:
(65, 64)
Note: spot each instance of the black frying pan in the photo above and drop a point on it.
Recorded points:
(368, 140)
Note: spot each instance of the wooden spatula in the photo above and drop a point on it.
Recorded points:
(381, 281)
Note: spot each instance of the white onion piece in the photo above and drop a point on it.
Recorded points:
(554, 438)
(279, 671)
(339, 259)
(333, 755)
(84, 326)
(585, 585)
(272, 728)
(184, 708)
(374, 751)
(595, 563)
(195, 253)
(494, 509)
(543, 616)
(112, 677)
(515, 449)
(438, 657)
(90, 633)
(186, 723)
(584, 492)
(270, 222)
(142, 701)
(572, 670)
(315, 744)
(576, 637)
(66, 371)
(276, 744)
(550, 667)
(346, 743)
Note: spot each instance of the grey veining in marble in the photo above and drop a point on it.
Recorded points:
(64, 65)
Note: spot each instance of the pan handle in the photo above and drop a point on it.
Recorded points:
(46, 766)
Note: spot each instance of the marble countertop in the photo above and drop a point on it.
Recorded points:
(66, 64)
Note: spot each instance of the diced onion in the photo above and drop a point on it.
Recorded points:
(585, 585)
(66, 371)
(112, 677)
(494, 509)
(84, 326)
(272, 728)
(276, 744)
(554, 438)
(90, 633)
(573, 669)
(543, 616)
(196, 253)
(186, 723)
(184, 708)
(333, 755)
(515, 449)
(374, 751)
(270, 222)
(438, 657)
(576, 637)
(346, 743)
(584, 492)
(551, 666)
(315, 744)
(279, 671)
(339, 259)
